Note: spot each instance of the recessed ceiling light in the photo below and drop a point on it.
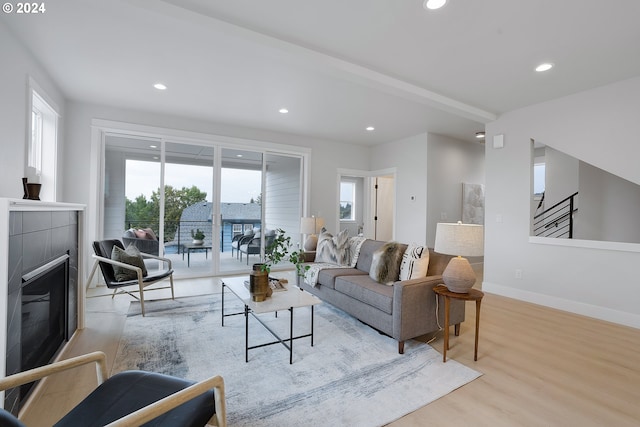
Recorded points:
(371, 128)
(238, 155)
(153, 146)
(160, 86)
(544, 67)
(434, 4)
(283, 110)
(480, 135)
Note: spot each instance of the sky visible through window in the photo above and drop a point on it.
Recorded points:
(238, 185)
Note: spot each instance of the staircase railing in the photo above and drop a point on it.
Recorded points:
(556, 221)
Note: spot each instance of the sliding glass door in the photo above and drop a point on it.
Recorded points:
(188, 207)
(240, 209)
(210, 209)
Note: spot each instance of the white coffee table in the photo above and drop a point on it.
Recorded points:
(293, 297)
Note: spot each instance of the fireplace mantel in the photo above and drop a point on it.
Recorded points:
(32, 232)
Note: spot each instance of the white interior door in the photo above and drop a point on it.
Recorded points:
(384, 202)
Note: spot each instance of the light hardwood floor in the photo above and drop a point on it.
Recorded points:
(542, 367)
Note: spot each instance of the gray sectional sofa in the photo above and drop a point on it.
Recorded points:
(404, 310)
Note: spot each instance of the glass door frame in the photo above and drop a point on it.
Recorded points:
(100, 128)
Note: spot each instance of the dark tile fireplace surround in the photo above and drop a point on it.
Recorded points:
(36, 238)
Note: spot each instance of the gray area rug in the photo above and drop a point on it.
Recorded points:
(352, 376)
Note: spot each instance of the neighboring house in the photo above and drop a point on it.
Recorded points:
(236, 218)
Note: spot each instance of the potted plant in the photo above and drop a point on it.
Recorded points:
(198, 237)
(276, 251)
(281, 249)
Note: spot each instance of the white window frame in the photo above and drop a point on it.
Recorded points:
(42, 144)
(352, 201)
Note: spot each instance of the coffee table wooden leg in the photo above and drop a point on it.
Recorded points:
(446, 329)
(475, 354)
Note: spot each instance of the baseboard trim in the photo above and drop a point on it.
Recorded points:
(601, 313)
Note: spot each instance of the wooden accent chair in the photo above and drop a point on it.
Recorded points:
(131, 398)
(103, 259)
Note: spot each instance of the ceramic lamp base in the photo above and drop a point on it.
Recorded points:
(311, 243)
(459, 277)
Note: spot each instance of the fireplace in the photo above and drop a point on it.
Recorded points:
(44, 315)
(39, 287)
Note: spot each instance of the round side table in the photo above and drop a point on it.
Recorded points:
(472, 295)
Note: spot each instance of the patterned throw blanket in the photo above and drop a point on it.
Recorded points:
(352, 246)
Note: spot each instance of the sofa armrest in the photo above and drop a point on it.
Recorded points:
(415, 307)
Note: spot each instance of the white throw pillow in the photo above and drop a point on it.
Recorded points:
(415, 262)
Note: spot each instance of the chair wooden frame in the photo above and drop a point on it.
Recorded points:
(141, 281)
(142, 415)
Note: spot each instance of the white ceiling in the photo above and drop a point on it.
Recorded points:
(337, 65)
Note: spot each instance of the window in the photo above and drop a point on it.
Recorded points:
(538, 179)
(347, 197)
(248, 227)
(35, 148)
(42, 145)
(237, 229)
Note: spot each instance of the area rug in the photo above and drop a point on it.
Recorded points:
(352, 376)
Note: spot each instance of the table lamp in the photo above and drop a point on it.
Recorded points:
(311, 226)
(459, 240)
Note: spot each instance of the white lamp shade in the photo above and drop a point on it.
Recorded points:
(311, 225)
(459, 239)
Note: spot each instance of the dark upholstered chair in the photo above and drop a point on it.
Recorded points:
(239, 239)
(103, 259)
(252, 246)
(131, 398)
(147, 245)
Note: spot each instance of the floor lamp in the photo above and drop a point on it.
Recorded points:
(459, 240)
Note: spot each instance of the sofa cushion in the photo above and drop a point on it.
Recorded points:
(366, 290)
(333, 249)
(327, 277)
(367, 249)
(385, 264)
(130, 233)
(149, 234)
(415, 262)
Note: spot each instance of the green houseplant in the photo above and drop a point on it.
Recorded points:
(280, 250)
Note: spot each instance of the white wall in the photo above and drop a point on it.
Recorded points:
(431, 168)
(282, 200)
(17, 65)
(598, 126)
(451, 162)
(609, 207)
(326, 156)
(561, 176)
(409, 157)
